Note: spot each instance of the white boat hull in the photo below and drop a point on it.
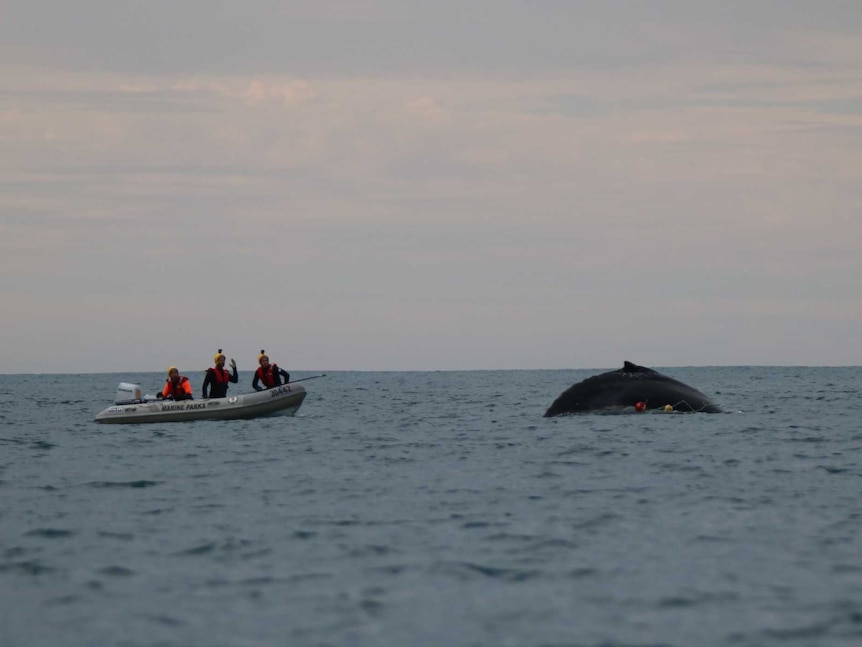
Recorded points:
(280, 400)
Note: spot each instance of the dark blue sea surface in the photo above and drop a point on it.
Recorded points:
(436, 508)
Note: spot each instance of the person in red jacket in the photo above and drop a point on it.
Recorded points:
(217, 378)
(177, 387)
(268, 373)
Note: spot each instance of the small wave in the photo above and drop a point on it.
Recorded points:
(167, 621)
(597, 521)
(15, 551)
(467, 525)
(467, 569)
(553, 544)
(157, 511)
(29, 567)
(202, 549)
(62, 600)
(50, 533)
(371, 550)
(833, 470)
(116, 571)
(122, 484)
(116, 535)
(259, 580)
(852, 569)
(583, 571)
(391, 569)
(310, 577)
(685, 601)
(228, 546)
(810, 631)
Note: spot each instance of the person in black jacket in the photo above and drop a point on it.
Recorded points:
(217, 378)
(268, 373)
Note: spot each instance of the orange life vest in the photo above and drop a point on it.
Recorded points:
(222, 376)
(268, 376)
(182, 386)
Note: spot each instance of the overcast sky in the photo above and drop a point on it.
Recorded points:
(418, 185)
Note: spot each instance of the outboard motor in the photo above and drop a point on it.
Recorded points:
(128, 393)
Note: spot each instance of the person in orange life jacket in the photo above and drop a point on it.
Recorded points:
(268, 373)
(177, 387)
(217, 377)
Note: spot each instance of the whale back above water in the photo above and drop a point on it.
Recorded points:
(628, 386)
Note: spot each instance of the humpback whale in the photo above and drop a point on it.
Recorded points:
(631, 386)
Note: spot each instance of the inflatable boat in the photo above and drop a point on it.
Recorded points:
(130, 407)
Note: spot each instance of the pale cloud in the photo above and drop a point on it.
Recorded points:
(425, 108)
(658, 137)
(138, 88)
(254, 92)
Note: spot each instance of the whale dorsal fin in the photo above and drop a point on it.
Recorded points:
(628, 367)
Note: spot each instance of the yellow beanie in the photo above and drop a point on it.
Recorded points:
(217, 355)
(172, 368)
(262, 355)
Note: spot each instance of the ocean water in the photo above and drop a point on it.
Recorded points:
(436, 508)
